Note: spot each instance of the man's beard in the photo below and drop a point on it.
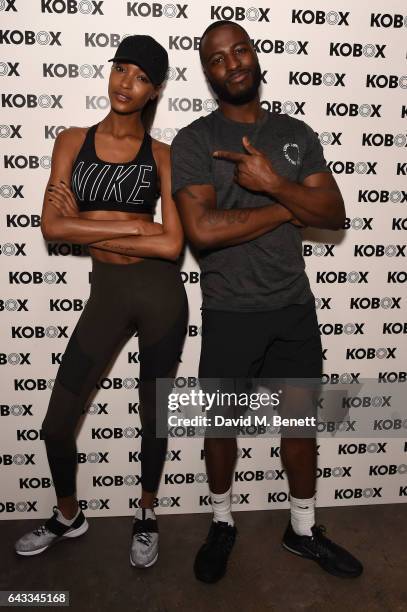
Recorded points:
(242, 97)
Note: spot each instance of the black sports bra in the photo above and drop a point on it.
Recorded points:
(102, 185)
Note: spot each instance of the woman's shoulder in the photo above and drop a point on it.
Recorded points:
(161, 151)
(71, 139)
(72, 134)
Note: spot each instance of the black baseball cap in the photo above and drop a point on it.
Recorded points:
(146, 52)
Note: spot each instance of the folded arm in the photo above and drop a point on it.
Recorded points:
(59, 219)
(208, 227)
(158, 240)
(317, 201)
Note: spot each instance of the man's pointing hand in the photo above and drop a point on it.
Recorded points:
(253, 170)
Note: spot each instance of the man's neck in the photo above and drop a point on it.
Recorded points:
(244, 113)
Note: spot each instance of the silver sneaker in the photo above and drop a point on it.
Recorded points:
(52, 531)
(144, 544)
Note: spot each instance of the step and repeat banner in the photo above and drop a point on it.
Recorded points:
(341, 68)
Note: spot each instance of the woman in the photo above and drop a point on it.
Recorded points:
(102, 190)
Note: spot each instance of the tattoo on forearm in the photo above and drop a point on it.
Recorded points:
(188, 192)
(214, 217)
(112, 246)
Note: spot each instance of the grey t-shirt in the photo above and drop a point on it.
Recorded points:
(267, 272)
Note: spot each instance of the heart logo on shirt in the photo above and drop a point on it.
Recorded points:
(292, 153)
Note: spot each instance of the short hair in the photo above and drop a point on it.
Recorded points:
(217, 24)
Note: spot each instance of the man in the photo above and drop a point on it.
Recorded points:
(244, 181)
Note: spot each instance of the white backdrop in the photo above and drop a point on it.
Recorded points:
(341, 68)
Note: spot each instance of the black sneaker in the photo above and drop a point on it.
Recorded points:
(211, 560)
(331, 557)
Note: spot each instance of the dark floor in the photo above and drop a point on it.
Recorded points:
(262, 576)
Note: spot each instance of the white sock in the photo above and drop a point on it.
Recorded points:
(221, 505)
(64, 520)
(148, 514)
(302, 514)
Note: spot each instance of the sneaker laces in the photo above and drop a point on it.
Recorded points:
(221, 537)
(143, 530)
(322, 543)
(42, 529)
(144, 538)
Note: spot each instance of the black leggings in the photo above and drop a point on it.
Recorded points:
(147, 296)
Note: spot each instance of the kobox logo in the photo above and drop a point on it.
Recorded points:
(383, 196)
(368, 493)
(8, 5)
(335, 472)
(15, 359)
(13, 249)
(330, 138)
(192, 104)
(117, 480)
(323, 303)
(292, 47)
(18, 410)
(163, 502)
(338, 329)
(362, 448)
(94, 504)
(22, 162)
(345, 378)
(383, 140)
(374, 303)
(37, 278)
(318, 250)
(341, 277)
(67, 305)
(382, 81)
(38, 332)
(350, 167)
(316, 79)
(64, 249)
(288, 107)
(336, 18)
(101, 39)
(105, 433)
(389, 424)
(358, 223)
(392, 377)
(155, 9)
(22, 220)
(9, 69)
(386, 20)
(18, 100)
(93, 457)
(371, 353)
(73, 71)
(379, 250)
(398, 327)
(387, 470)
(73, 7)
(10, 131)
(18, 459)
(18, 506)
(14, 305)
(11, 191)
(240, 13)
(344, 49)
(352, 109)
(28, 37)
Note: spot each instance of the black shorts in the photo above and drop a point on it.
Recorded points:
(239, 349)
